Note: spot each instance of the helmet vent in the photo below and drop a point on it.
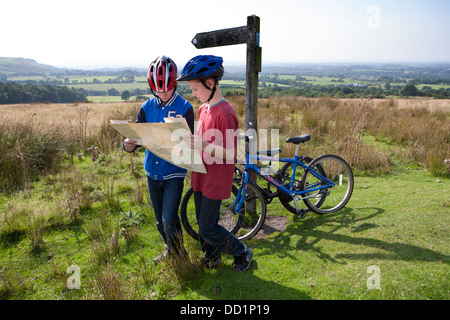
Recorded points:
(201, 70)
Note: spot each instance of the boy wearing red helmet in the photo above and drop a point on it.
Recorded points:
(165, 180)
(215, 138)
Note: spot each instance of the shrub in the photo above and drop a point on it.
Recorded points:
(26, 151)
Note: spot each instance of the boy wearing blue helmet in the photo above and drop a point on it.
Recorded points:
(216, 139)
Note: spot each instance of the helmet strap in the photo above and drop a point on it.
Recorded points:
(213, 89)
(156, 95)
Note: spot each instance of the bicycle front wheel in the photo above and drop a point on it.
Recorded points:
(332, 199)
(243, 225)
(188, 216)
(253, 212)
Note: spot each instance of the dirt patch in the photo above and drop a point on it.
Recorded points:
(272, 224)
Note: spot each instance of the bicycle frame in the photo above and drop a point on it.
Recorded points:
(250, 167)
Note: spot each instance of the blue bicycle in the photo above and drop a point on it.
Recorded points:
(324, 184)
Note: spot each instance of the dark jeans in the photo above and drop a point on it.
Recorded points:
(166, 196)
(214, 238)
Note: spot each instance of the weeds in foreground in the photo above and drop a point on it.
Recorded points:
(30, 149)
(186, 265)
(36, 230)
(12, 283)
(109, 283)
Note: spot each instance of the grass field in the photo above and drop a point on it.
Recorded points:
(398, 223)
(97, 99)
(94, 216)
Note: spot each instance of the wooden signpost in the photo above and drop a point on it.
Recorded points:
(248, 34)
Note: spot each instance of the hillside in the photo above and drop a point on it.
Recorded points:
(21, 66)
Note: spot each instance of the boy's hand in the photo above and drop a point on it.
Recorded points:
(130, 145)
(193, 141)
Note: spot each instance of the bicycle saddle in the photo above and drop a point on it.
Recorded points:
(299, 139)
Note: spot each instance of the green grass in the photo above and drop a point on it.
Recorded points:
(398, 222)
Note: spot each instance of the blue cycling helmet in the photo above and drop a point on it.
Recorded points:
(201, 67)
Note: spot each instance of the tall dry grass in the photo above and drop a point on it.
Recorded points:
(424, 134)
(35, 139)
(369, 134)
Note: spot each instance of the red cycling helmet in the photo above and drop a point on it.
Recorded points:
(161, 74)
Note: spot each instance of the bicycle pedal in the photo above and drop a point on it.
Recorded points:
(302, 213)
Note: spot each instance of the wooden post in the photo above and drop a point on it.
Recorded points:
(247, 34)
(252, 70)
(250, 35)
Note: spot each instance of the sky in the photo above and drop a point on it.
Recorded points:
(109, 33)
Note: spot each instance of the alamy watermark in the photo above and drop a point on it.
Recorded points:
(374, 281)
(74, 280)
(263, 139)
(373, 21)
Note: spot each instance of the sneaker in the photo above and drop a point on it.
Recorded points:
(242, 263)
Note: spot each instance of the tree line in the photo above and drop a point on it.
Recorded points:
(343, 91)
(25, 93)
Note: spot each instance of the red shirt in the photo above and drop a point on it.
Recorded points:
(218, 125)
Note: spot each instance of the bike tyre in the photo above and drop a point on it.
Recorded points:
(188, 216)
(245, 232)
(287, 200)
(335, 162)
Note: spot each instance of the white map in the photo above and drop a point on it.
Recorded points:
(164, 140)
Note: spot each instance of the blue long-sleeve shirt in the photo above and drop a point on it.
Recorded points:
(152, 111)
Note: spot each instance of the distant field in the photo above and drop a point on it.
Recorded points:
(105, 86)
(99, 99)
(105, 82)
(240, 83)
(434, 86)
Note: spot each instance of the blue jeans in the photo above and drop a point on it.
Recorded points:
(214, 238)
(166, 196)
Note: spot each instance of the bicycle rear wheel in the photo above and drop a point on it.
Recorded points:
(332, 199)
(285, 176)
